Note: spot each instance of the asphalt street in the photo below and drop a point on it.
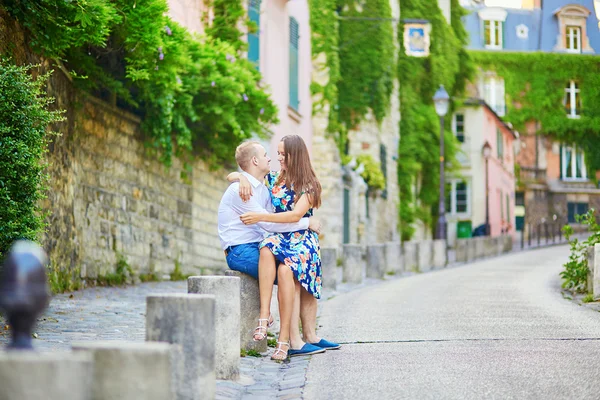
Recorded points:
(494, 329)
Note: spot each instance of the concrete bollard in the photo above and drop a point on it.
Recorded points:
(48, 376)
(508, 243)
(411, 256)
(440, 254)
(462, 250)
(329, 268)
(489, 247)
(425, 255)
(352, 263)
(126, 370)
(226, 290)
(471, 249)
(189, 321)
(376, 261)
(479, 248)
(249, 311)
(595, 266)
(393, 258)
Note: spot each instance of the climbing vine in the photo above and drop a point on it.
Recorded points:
(195, 95)
(448, 64)
(535, 88)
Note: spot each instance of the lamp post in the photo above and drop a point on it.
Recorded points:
(487, 152)
(441, 101)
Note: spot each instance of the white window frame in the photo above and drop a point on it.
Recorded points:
(573, 37)
(453, 193)
(573, 164)
(495, 87)
(572, 92)
(495, 26)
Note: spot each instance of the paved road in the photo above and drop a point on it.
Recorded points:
(496, 329)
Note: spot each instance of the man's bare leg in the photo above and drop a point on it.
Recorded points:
(308, 315)
(295, 337)
(266, 277)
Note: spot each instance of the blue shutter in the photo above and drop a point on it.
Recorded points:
(254, 38)
(294, 66)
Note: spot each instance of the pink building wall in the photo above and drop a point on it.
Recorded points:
(501, 179)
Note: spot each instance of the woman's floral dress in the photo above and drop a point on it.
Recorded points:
(298, 250)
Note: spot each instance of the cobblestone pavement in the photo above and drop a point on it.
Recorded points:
(118, 313)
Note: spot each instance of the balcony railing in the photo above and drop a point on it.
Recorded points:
(532, 174)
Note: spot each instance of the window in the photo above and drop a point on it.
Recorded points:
(294, 100)
(254, 37)
(574, 209)
(500, 144)
(457, 200)
(492, 34)
(493, 94)
(572, 164)
(573, 39)
(519, 198)
(459, 127)
(508, 208)
(572, 100)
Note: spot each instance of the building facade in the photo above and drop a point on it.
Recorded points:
(478, 127)
(554, 183)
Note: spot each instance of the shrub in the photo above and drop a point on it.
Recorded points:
(575, 270)
(24, 121)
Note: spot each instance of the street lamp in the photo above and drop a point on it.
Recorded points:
(442, 102)
(487, 152)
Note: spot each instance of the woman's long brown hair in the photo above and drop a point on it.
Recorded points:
(299, 173)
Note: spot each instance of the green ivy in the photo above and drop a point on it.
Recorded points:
(196, 96)
(535, 88)
(367, 60)
(448, 64)
(24, 119)
(575, 272)
(372, 173)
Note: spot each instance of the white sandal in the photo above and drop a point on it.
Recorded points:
(260, 330)
(279, 350)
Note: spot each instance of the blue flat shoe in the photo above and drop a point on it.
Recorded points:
(327, 345)
(306, 350)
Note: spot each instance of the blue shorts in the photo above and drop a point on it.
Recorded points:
(244, 258)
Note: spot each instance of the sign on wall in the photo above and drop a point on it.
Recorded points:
(417, 37)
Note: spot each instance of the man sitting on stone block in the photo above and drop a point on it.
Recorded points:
(241, 245)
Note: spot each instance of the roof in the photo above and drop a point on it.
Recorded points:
(479, 102)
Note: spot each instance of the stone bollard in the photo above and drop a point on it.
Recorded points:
(48, 376)
(393, 258)
(461, 250)
(479, 248)
(411, 256)
(425, 255)
(226, 290)
(376, 261)
(471, 249)
(489, 246)
(249, 311)
(189, 321)
(329, 268)
(440, 254)
(128, 370)
(352, 263)
(508, 243)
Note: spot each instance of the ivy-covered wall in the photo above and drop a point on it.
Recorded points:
(535, 88)
(448, 64)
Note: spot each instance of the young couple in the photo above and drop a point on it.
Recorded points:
(290, 253)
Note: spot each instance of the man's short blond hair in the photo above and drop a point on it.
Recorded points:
(245, 152)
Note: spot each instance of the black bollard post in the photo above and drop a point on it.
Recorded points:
(523, 237)
(24, 291)
(529, 236)
(559, 234)
(539, 233)
(546, 232)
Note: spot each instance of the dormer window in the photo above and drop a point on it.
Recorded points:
(492, 34)
(492, 26)
(572, 100)
(572, 25)
(573, 39)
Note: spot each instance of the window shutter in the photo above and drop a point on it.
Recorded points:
(294, 101)
(254, 38)
(562, 173)
(383, 164)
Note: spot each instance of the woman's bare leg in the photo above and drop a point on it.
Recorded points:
(266, 277)
(296, 341)
(285, 295)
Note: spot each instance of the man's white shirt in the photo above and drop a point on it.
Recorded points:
(232, 230)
